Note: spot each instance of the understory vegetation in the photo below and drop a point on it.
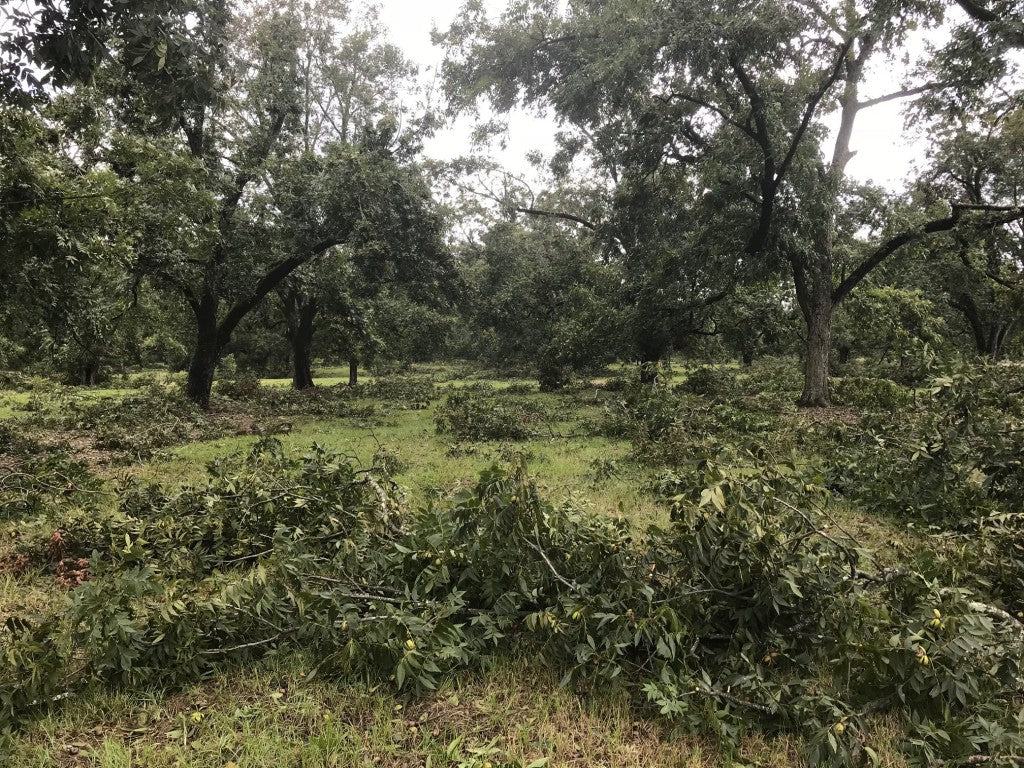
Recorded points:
(850, 583)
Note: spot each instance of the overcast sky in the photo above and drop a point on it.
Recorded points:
(885, 153)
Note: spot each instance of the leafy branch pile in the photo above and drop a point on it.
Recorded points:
(408, 391)
(954, 465)
(468, 414)
(136, 426)
(671, 428)
(752, 610)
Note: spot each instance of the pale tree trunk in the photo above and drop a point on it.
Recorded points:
(816, 365)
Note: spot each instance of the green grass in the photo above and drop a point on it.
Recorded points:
(273, 715)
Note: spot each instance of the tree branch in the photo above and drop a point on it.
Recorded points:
(944, 224)
(812, 105)
(905, 93)
(558, 215)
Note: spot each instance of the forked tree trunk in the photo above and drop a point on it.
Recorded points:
(990, 334)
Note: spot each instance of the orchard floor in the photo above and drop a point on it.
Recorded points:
(512, 713)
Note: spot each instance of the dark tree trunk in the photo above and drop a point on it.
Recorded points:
(301, 336)
(990, 334)
(203, 365)
(844, 354)
(747, 355)
(89, 374)
(353, 371)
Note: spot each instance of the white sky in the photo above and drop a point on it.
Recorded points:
(885, 152)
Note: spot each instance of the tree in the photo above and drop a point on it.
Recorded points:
(65, 238)
(539, 298)
(755, 319)
(733, 98)
(977, 157)
(282, 190)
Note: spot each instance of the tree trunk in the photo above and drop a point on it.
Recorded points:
(990, 334)
(844, 354)
(819, 344)
(88, 374)
(747, 355)
(302, 346)
(203, 365)
(353, 371)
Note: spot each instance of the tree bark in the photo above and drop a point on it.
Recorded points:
(202, 366)
(353, 371)
(819, 344)
(990, 334)
(302, 346)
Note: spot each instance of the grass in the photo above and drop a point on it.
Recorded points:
(508, 714)
(511, 713)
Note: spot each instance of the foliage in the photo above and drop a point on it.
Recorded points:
(712, 382)
(240, 387)
(722, 619)
(43, 480)
(472, 415)
(538, 299)
(675, 429)
(954, 463)
(901, 328)
(410, 391)
(136, 426)
(873, 393)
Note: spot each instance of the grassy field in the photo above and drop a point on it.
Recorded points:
(512, 713)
